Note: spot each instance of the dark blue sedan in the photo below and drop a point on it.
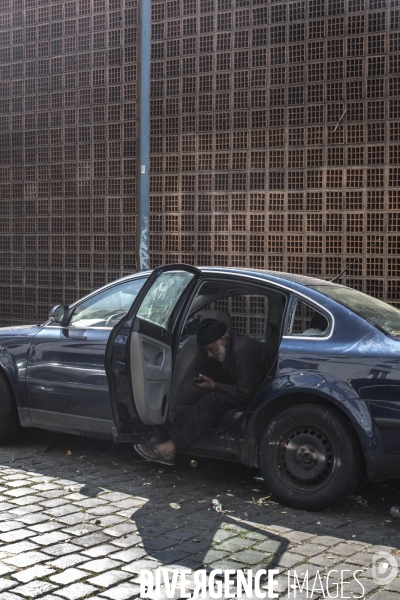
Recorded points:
(120, 363)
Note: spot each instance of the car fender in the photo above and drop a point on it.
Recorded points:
(292, 388)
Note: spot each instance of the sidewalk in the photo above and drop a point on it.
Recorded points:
(79, 518)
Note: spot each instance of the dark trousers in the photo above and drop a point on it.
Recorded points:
(200, 417)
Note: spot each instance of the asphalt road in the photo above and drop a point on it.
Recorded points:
(82, 518)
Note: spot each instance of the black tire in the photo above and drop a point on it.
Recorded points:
(310, 457)
(9, 420)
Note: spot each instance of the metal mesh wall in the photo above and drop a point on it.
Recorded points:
(275, 142)
(275, 137)
(68, 146)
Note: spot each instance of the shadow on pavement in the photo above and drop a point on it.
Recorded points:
(170, 510)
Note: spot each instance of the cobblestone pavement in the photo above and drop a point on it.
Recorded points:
(79, 518)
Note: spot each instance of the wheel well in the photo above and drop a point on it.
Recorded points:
(278, 405)
(10, 422)
(4, 375)
(6, 378)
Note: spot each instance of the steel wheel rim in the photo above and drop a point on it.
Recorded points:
(305, 459)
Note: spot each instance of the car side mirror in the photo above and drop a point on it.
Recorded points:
(59, 314)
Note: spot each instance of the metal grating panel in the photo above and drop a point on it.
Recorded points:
(275, 137)
(68, 148)
(275, 142)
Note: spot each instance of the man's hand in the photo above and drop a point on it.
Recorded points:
(207, 383)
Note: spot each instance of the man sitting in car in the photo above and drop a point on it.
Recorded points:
(245, 362)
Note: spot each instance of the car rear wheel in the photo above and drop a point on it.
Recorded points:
(310, 457)
(9, 421)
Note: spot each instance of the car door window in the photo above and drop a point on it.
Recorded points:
(106, 308)
(247, 313)
(306, 321)
(163, 296)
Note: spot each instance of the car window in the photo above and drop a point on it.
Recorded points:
(161, 299)
(306, 321)
(382, 315)
(256, 312)
(247, 313)
(106, 308)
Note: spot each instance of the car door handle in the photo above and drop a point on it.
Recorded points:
(77, 335)
(164, 355)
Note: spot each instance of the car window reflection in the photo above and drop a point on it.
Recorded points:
(107, 308)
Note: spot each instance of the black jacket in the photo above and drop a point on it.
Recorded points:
(245, 367)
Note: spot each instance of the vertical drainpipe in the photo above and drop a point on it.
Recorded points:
(144, 128)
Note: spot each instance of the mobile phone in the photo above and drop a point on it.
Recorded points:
(198, 379)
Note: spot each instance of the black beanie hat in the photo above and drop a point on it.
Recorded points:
(210, 330)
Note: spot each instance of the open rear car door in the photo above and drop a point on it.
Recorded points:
(141, 348)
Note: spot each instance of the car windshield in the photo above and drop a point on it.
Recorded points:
(382, 315)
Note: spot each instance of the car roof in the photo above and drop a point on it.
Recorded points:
(270, 275)
(289, 280)
(277, 276)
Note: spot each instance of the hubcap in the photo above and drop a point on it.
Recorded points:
(305, 458)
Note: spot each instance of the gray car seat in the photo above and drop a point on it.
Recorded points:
(191, 361)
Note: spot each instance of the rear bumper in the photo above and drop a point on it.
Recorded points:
(383, 466)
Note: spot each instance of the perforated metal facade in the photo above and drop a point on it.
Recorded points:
(275, 141)
(68, 144)
(275, 136)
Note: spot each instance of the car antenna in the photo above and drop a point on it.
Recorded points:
(354, 261)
